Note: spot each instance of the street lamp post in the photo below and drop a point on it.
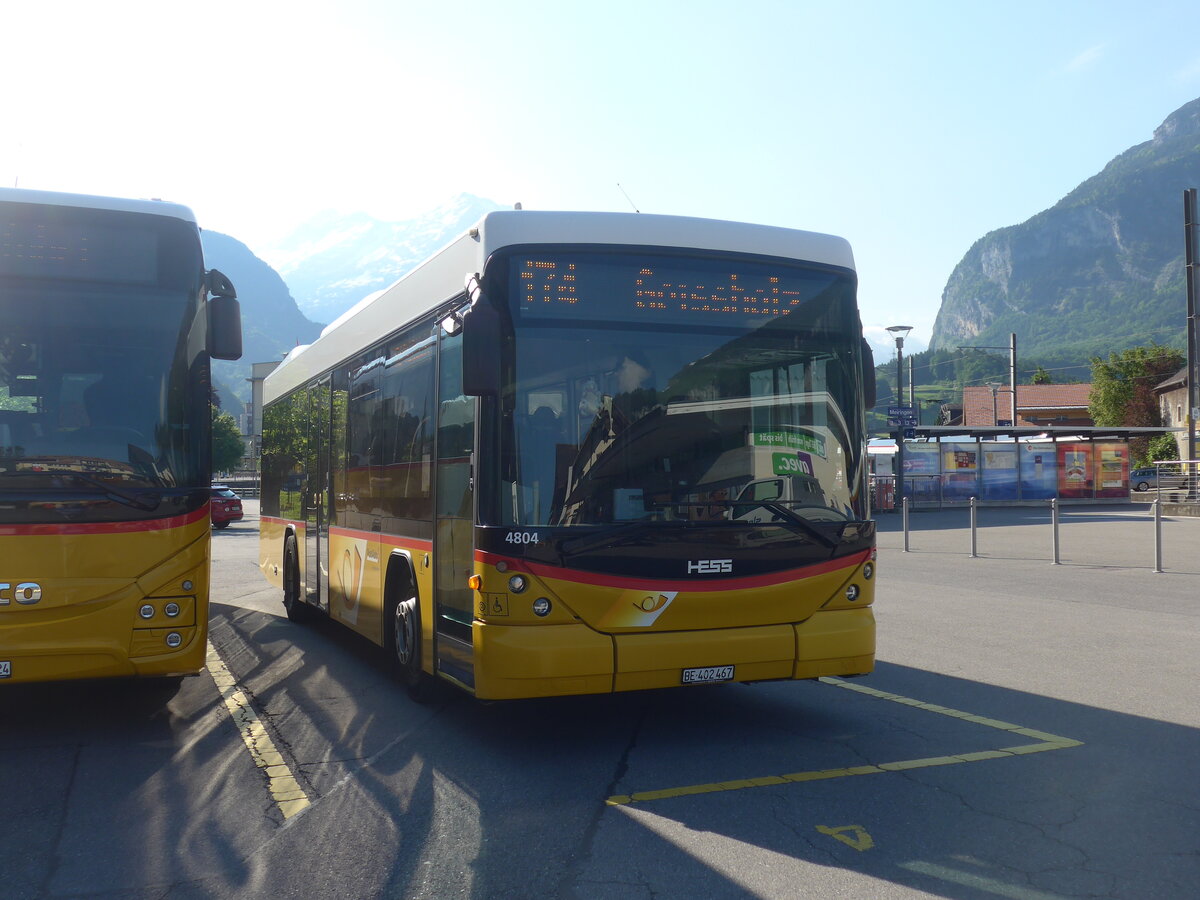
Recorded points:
(1012, 375)
(899, 332)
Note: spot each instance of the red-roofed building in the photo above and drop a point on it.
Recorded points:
(1037, 404)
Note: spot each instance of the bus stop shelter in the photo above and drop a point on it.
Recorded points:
(947, 465)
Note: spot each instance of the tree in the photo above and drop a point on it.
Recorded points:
(1162, 447)
(1123, 389)
(227, 445)
(1041, 376)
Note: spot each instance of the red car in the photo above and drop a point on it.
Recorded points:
(226, 506)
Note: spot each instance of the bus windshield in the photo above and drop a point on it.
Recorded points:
(99, 381)
(680, 389)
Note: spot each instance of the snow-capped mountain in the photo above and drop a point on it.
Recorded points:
(334, 260)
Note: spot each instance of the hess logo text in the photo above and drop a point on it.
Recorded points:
(710, 566)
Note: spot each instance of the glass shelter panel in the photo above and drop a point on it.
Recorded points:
(1039, 471)
(1111, 470)
(960, 470)
(999, 472)
(922, 483)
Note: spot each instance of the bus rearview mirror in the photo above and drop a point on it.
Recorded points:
(868, 374)
(224, 328)
(481, 350)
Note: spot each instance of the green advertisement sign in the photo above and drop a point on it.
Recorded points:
(790, 464)
(790, 440)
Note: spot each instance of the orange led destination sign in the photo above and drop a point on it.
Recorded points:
(616, 288)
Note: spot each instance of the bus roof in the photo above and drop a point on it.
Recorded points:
(442, 276)
(509, 227)
(89, 201)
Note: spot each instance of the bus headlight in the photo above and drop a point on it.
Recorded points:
(517, 584)
(868, 571)
(171, 609)
(852, 592)
(146, 611)
(187, 585)
(174, 639)
(541, 607)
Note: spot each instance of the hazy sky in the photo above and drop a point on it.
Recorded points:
(911, 128)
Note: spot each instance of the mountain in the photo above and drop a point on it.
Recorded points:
(1101, 270)
(271, 322)
(334, 260)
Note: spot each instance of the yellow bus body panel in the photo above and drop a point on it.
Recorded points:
(518, 655)
(88, 626)
(628, 605)
(271, 533)
(513, 661)
(836, 642)
(608, 634)
(357, 570)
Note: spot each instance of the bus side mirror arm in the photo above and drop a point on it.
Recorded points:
(224, 317)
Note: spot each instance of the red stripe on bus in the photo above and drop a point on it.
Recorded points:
(636, 583)
(69, 528)
(392, 540)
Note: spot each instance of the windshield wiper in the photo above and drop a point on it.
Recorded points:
(797, 521)
(137, 501)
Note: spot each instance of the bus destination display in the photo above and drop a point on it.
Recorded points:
(44, 248)
(662, 290)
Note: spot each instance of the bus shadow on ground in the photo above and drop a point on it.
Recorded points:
(728, 791)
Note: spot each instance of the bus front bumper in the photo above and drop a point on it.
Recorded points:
(514, 661)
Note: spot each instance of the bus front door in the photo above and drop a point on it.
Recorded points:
(319, 504)
(453, 547)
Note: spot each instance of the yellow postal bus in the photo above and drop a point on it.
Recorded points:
(106, 331)
(585, 452)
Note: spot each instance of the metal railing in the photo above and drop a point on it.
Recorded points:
(1055, 525)
(1175, 481)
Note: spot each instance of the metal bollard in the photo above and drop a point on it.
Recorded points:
(1054, 528)
(1158, 536)
(904, 511)
(974, 539)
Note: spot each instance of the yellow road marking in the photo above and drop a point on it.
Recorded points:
(1045, 741)
(851, 835)
(281, 784)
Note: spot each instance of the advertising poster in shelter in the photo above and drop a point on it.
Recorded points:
(1111, 470)
(921, 472)
(1075, 479)
(999, 474)
(1039, 471)
(960, 471)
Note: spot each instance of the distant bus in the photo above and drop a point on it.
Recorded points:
(106, 331)
(585, 452)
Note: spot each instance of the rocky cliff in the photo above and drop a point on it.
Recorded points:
(272, 324)
(1099, 271)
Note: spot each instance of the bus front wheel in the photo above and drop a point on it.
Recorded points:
(405, 646)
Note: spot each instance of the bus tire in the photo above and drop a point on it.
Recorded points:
(297, 609)
(404, 648)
